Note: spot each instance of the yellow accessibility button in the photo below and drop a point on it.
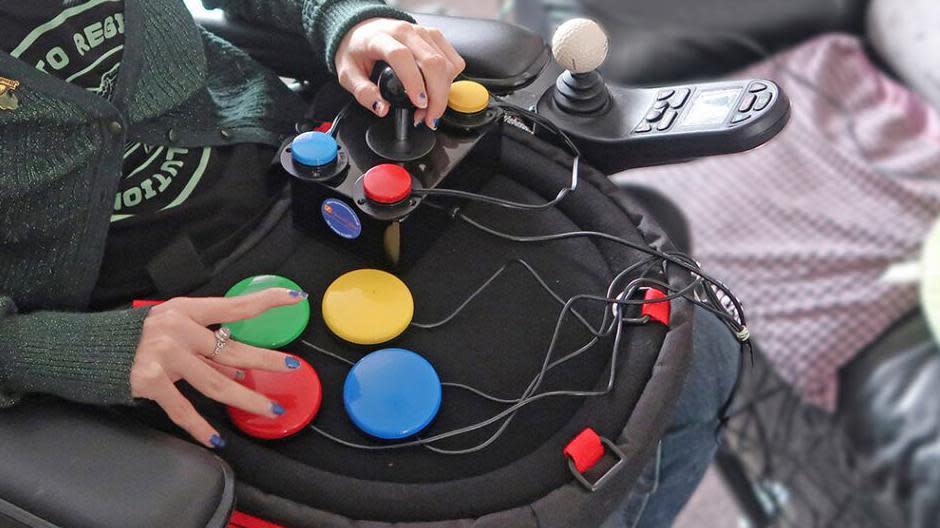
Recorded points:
(468, 97)
(368, 307)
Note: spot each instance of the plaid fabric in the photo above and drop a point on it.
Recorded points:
(803, 227)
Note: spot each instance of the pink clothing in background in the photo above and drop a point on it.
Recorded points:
(803, 227)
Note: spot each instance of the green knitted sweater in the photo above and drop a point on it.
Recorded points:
(60, 164)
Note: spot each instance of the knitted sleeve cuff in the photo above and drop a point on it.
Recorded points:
(85, 357)
(326, 22)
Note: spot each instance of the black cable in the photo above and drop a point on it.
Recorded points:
(684, 262)
(528, 267)
(529, 396)
(334, 127)
(510, 204)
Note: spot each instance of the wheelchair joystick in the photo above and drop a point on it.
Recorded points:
(581, 46)
(397, 139)
(617, 128)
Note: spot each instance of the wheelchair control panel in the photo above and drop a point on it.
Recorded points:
(707, 109)
(619, 128)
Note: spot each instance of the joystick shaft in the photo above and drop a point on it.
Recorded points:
(397, 139)
(403, 126)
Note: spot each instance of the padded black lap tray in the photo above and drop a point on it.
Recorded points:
(497, 345)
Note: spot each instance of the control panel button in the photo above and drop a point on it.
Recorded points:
(740, 118)
(387, 184)
(314, 149)
(680, 97)
(747, 102)
(643, 127)
(468, 97)
(655, 115)
(660, 105)
(668, 120)
(757, 87)
(762, 101)
(664, 94)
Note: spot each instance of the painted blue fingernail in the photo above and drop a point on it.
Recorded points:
(298, 293)
(217, 441)
(375, 106)
(437, 123)
(276, 408)
(423, 96)
(292, 362)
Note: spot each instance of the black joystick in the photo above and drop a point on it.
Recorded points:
(580, 45)
(397, 138)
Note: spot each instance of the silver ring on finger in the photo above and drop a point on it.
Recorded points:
(222, 335)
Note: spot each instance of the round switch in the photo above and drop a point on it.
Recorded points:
(387, 184)
(392, 394)
(314, 149)
(367, 307)
(299, 392)
(276, 327)
(468, 97)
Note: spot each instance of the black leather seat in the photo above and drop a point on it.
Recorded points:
(889, 408)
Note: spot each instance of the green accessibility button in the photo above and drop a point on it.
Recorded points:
(276, 327)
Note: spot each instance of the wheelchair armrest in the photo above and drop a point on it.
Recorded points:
(67, 465)
(502, 56)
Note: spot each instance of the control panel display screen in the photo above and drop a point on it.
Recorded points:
(711, 107)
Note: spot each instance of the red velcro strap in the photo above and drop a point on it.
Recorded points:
(140, 303)
(324, 127)
(585, 450)
(657, 311)
(243, 520)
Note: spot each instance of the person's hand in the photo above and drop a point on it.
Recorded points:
(175, 345)
(422, 58)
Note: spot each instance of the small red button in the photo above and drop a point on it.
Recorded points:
(298, 391)
(387, 184)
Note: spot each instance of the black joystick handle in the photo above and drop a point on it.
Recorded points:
(399, 140)
(390, 85)
(393, 91)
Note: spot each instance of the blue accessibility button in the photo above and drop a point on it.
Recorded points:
(314, 149)
(392, 393)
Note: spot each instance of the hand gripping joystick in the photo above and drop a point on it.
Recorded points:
(397, 138)
(580, 46)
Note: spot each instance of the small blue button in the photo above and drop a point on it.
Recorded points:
(392, 393)
(314, 149)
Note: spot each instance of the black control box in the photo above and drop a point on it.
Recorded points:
(375, 206)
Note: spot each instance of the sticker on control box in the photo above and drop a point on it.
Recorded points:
(341, 218)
